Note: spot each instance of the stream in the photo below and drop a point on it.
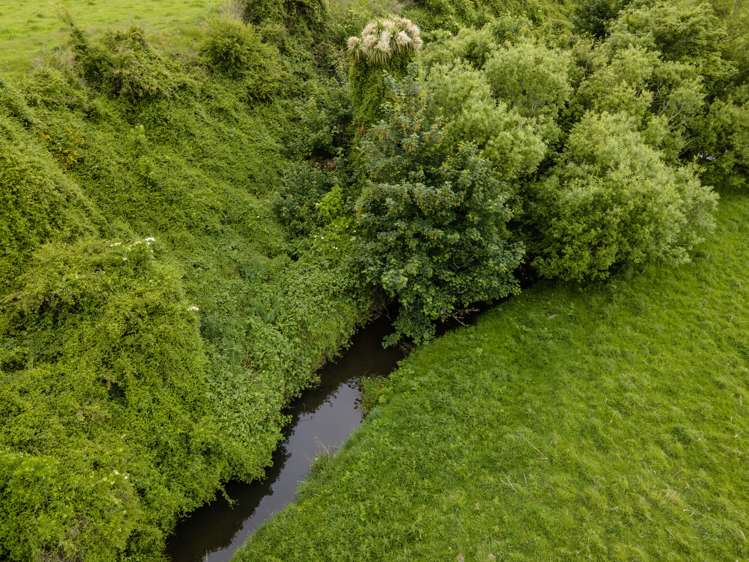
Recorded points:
(322, 419)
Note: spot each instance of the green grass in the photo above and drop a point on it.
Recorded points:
(605, 423)
(33, 29)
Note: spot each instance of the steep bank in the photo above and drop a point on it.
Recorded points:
(152, 323)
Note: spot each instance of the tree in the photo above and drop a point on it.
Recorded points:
(532, 79)
(432, 218)
(612, 201)
(385, 47)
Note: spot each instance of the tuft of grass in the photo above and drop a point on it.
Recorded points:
(609, 422)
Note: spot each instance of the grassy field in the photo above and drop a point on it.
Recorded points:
(609, 423)
(31, 30)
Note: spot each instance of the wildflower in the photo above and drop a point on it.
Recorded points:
(353, 43)
(193, 308)
(149, 240)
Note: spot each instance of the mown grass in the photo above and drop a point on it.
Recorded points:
(606, 423)
(31, 30)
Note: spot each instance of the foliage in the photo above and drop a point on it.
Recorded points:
(125, 66)
(178, 258)
(594, 16)
(681, 31)
(124, 439)
(611, 200)
(432, 219)
(725, 142)
(294, 13)
(461, 97)
(38, 202)
(532, 79)
(142, 385)
(299, 198)
(236, 51)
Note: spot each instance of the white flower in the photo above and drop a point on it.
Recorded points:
(193, 308)
(149, 240)
(353, 43)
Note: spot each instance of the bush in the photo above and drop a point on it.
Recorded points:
(38, 203)
(106, 425)
(461, 97)
(125, 66)
(303, 187)
(725, 143)
(594, 16)
(681, 31)
(432, 219)
(532, 79)
(293, 13)
(236, 51)
(612, 201)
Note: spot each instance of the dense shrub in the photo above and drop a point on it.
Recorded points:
(244, 327)
(593, 16)
(611, 201)
(294, 13)
(105, 417)
(124, 65)
(432, 218)
(304, 186)
(38, 203)
(725, 142)
(532, 79)
(679, 30)
(236, 50)
(461, 97)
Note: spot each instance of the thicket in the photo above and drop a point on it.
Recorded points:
(154, 318)
(186, 239)
(598, 148)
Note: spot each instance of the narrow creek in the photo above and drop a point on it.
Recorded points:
(322, 419)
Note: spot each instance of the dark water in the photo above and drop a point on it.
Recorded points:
(322, 420)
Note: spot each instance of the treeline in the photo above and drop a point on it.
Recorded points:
(514, 151)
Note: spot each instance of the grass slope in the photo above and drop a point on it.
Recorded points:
(31, 29)
(607, 423)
